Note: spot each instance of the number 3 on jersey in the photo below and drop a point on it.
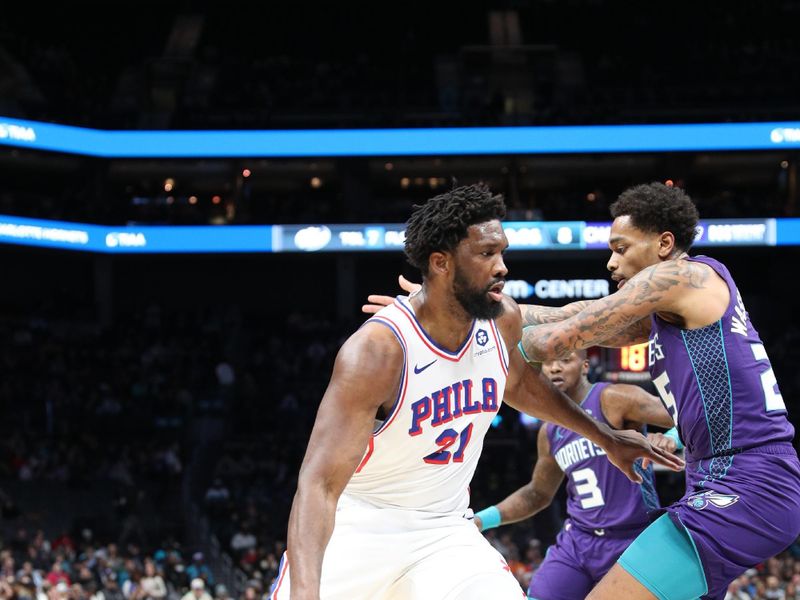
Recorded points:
(586, 488)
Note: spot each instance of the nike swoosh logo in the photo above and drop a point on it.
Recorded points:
(418, 370)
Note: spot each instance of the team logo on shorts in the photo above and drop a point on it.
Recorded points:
(701, 501)
(481, 337)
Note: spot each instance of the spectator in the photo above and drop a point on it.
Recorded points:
(197, 591)
(774, 589)
(132, 586)
(221, 592)
(153, 586)
(199, 569)
(57, 574)
(110, 589)
(243, 540)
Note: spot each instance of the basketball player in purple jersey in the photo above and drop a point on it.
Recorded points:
(742, 501)
(606, 510)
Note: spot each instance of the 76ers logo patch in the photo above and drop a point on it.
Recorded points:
(701, 501)
(481, 337)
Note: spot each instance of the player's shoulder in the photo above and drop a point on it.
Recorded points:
(367, 368)
(376, 338)
(682, 266)
(543, 437)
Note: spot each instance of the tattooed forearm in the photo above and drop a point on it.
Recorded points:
(638, 333)
(620, 317)
(533, 314)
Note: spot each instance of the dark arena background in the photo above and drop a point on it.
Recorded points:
(195, 200)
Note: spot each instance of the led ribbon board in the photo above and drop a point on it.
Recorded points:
(522, 235)
(400, 142)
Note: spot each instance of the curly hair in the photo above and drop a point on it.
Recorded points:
(442, 222)
(656, 208)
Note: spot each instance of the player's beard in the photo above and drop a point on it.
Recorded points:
(475, 301)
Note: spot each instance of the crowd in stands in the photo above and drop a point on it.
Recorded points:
(777, 579)
(66, 567)
(107, 410)
(135, 376)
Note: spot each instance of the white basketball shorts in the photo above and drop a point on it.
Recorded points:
(393, 554)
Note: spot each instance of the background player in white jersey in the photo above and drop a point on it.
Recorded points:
(437, 365)
(606, 511)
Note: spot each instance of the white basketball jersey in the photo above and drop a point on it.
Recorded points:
(424, 454)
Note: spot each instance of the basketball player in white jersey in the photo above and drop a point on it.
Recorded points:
(379, 513)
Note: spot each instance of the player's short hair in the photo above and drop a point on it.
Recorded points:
(442, 222)
(656, 208)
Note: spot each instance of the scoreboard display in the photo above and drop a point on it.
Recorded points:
(626, 364)
(633, 358)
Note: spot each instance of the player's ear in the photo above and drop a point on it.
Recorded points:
(439, 263)
(666, 244)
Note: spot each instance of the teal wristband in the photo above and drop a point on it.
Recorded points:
(525, 356)
(490, 518)
(673, 435)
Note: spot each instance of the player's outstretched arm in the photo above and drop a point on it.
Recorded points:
(532, 315)
(366, 374)
(530, 498)
(661, 287)
(530, 392)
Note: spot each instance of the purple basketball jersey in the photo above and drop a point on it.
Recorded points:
(718, 385)
(600, 496)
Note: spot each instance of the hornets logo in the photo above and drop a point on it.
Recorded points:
(701, 501)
